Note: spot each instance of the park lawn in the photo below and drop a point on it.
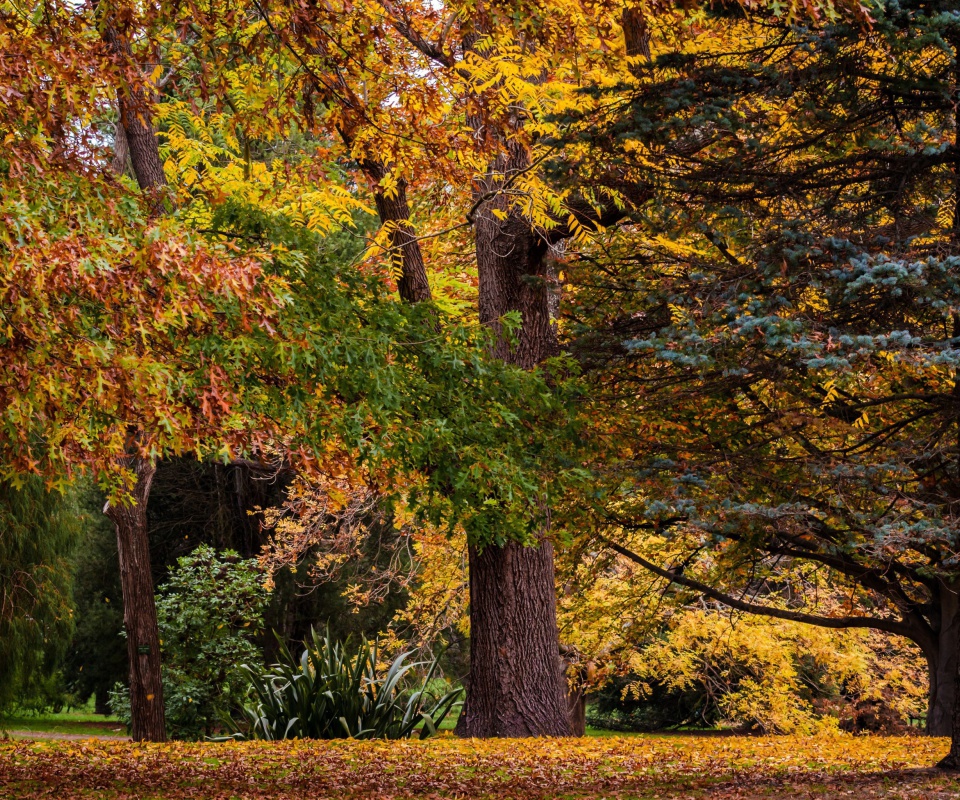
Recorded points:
(73, 723)
(720, 768)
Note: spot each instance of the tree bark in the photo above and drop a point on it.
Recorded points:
(139, 610)
(101, 702)
(516, 686)
(943, 713)
(136, 121)
(148, 720)
(413, 285)
(948, 674)
(943, 665)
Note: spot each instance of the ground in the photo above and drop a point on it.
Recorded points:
(80, 723)
(722, 768)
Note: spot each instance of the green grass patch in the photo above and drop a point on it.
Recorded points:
(75, 722)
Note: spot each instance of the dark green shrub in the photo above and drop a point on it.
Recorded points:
(335, 691)
(210, 612)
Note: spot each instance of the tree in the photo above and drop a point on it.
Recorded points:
(452, 101)
(447, 103)
(789, 293)
(427, 98)
(38, 533)
(99, 295)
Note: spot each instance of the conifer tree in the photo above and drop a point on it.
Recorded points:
(791, 295)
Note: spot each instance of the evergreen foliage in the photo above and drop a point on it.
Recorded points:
(337, 690)
(96, 657)
(39, 530)
(790, 291)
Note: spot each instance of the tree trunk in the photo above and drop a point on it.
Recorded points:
(516, 686)
(413, 285)
(139, 610)
(577, 711)
(943, 715)
(101, 702)
(943, 665)
(139, 141)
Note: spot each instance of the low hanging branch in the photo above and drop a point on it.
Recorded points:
(877, 623)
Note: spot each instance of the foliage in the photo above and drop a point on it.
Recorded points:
(429, 420)
(737, 296)
(38, 533)
(210, 613)
(336, 690)
(96, 657)
(376, 555)
(227, 341)
(777, 677)
(651, 661)
(788, 290)
(722, 768)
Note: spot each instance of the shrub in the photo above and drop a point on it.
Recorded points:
(335, 691)
(707, 668)
(210, 612)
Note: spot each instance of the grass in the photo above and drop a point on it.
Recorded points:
(84, 722)
(74, 722)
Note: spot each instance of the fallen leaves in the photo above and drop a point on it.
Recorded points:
(666, 767)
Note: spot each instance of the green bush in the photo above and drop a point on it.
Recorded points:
(210, 612)
(335, 691)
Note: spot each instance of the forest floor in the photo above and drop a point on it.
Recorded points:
(722, 768)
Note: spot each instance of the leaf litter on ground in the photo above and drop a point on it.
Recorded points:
(674, 767)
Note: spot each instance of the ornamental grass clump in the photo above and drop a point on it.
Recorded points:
(336, 690)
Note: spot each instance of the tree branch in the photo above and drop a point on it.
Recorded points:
(877, 623)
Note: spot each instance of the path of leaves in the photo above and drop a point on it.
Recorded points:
(744, 768)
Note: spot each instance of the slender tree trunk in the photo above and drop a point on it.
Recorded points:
(139, 141)
(139, 610)
(413, 286)
(139, 138)
(101, 702)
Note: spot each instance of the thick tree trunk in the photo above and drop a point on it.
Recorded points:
(139, 610)
(516, 685)
(943, 663)
(943, 713)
